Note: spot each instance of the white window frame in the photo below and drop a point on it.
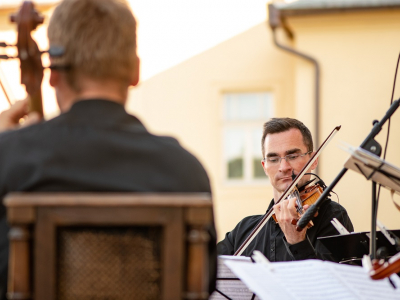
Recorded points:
(248, 126)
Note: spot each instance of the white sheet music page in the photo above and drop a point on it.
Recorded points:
(312, 280)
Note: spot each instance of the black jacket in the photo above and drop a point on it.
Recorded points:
(95, 146)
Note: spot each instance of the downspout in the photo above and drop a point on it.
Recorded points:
(275, 21)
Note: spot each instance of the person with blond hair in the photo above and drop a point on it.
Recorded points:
(94, 144)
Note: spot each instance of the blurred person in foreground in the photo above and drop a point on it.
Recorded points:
(286, 148)
(94, 145)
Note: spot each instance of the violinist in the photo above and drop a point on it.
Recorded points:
(94, 145)
(286, 147)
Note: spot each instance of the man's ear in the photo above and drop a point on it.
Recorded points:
(315, 164)
(264, 167)
(136, 73)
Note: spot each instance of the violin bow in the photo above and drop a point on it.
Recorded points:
(288, 190)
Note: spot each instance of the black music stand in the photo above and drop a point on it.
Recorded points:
(350, 248)
(376, 169)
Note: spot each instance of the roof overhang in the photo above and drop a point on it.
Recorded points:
(311, 7)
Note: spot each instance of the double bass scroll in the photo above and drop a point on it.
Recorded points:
(29, 55)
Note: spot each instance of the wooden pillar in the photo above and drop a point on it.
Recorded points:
(197, 280)
(19, 284)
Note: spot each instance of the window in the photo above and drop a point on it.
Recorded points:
(244, 116)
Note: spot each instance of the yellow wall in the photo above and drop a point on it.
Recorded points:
(358, 53)
(186, 102)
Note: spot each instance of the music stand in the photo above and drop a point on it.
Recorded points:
(373, 168)
(350, 248)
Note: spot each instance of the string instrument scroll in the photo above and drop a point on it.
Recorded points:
(382, 269)
(287, 192)
(27, 19)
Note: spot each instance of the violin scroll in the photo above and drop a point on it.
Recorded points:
(382, 269)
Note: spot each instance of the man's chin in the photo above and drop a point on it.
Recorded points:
(283, 186)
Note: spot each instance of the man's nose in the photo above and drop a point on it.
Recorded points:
(284, 165)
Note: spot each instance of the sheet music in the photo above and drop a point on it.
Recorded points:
(312, 279)
(234, 289)
(356, 279)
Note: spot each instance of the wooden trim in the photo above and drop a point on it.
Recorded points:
(108, 199)
(19, 270)
(45, 256)
(21, 215)
(197, 269)
(172, 257)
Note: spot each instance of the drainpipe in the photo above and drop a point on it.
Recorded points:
(275, 21)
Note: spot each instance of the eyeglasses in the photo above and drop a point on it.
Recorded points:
(276, 160)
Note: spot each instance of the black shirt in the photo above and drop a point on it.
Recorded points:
(272, 242)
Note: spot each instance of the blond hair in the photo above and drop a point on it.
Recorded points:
(98, 37)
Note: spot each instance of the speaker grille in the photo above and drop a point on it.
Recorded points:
(104, 263)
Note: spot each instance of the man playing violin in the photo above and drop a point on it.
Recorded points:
(94, 145)
(286, 147)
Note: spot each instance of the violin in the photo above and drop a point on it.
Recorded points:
(382, 269)
(27, 19)
(308, 194)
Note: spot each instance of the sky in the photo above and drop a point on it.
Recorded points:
(172, 31)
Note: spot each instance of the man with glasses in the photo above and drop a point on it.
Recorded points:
(286, 147)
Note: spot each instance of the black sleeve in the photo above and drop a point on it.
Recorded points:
(234, 239)
(225, 247)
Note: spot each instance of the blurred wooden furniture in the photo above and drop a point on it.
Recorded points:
(108, 246)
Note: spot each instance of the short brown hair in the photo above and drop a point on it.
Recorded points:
(277, 125)
(98, 37)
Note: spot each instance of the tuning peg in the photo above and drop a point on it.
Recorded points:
(5, 45)
(7, 57)
(382, 253)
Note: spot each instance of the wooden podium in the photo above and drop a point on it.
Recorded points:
(108, 246)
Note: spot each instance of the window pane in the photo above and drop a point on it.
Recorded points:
(248, 106)
(258, 171)
(266, 107)
(234, 151)
(235, 168)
